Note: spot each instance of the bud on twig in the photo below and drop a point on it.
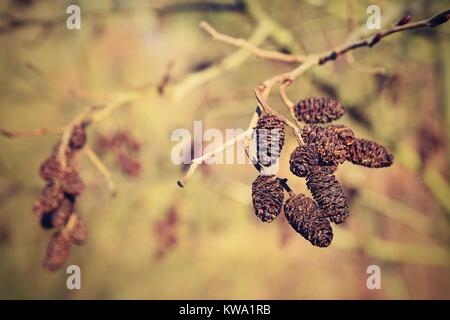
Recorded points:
(406, 19)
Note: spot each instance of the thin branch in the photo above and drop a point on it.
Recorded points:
(256, 51)
(68, 132)
(99, 165)
(198, 161)
(32, 133)
(194, 80)
(263, 102)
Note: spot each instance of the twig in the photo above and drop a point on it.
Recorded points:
(258, 52)
(198, 161)
(68, 131)
(263, 102)
(101, 168)
(194, 80)
(165, 78)
(32, 133)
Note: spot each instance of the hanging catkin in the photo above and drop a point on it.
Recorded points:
(58, 251)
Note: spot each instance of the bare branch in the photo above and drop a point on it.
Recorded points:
(256, 51)
(102, 169)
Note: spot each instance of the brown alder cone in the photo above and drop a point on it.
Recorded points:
(78, 137)
(318, 110)
(71, 182)
(267, 196)
(304, 159)
(58, 251)
(331, 142)
(369, 154)
(307, 219)
(79, 233)
(269, 139)
(329, 195)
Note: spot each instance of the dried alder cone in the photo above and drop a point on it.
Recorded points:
(269, 139)
(268, 196)
(318, 110)
(307, 219)
(331, 142)
(325, 147)
(369, 154)
(329, 195)
(56, 204)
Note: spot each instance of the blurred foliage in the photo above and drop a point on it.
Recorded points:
(400, 215)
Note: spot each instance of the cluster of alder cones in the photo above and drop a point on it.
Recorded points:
(56, 205)
(324, 147)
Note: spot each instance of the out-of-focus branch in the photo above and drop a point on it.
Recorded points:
(232, 61)
(202, 6)
(198, 161)
(101, 168)
(79, 120)
(255, 50)
(31, 133)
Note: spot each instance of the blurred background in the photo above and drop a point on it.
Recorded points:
(155, 240)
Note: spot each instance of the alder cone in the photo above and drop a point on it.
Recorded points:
(318, 110)
(269, 139)
(58, 251)
(78, 137)
(79, 233)
(306, 218)
(310, 132)
(369, 154)
(71, 182)
(267, 196)
(331, 142)
(304, 159)
(329, 195)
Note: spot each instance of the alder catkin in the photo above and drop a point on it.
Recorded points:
(58, 251)
(369, 154)
(306, 218)
(269, 139)
(267, 196)
(50, 169)
(329, 195)
(318, 110)
(49, 199)
(78, 137)
(79, 233)
(71, 182)
(61, 215)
